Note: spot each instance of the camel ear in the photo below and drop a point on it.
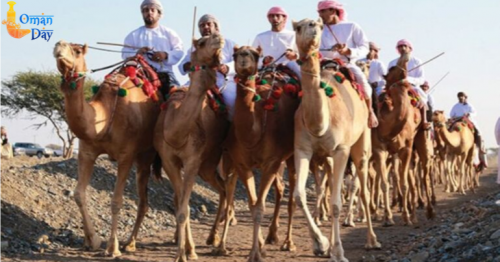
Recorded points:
(259, 50)
(85, 48)
(320, 23)
(295, 25)
(235, 48)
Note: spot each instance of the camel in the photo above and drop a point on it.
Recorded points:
(329, 127)
(189, 135)
(261, 138)
(121, 127)
(459, 145)
(399, 131)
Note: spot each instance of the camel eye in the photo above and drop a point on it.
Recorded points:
(78, 52)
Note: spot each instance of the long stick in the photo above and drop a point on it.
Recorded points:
(194, 22)
(433, 88)
(426, 62)
(113, 44)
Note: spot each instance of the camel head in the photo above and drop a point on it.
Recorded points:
(246, 59)
(308, 35)
(70, 57)
(438, 118)
(207, 50)
(398, 72)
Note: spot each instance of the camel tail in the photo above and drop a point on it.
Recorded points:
(157, 167)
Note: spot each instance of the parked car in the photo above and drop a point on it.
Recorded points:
(59, 152)
(31, 149)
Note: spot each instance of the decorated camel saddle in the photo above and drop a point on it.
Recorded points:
(458, 124)
(384, 97)
(137, 70)
(214, 98)
(277, 78)
(342, 73)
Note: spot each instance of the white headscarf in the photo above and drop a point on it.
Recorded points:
(157, 4)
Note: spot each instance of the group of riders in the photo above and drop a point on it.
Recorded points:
(342, 41)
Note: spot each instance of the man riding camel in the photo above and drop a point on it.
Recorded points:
(209, 25)
(162, 45)
(278, 41)
(415, 76)
(430, 99)
(464, 109)
(352, 45)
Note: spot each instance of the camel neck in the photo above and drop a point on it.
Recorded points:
(450, 138)
(79, 114)
(180, 121)
(314, 101)
(247, 127)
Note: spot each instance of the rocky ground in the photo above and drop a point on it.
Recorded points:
(40, 221)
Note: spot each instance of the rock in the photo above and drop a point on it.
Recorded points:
(458, 225)
(419, 257)
(495, 235)
(203, 209)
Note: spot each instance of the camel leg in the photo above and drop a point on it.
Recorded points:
(320, 192)
(124, 165)
(288, 244)
(231, 180)
(279, 188)
(404, 156)
(85, 167)
(380, 164)
(360, 155)
(325, 207)
(425, 162)
(413, 197)
(209, 174)
(340, 156)
(302, 160)
(268, 176)
(184, 242)
(144, 163)
(352, 191)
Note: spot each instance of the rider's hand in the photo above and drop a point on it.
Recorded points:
(143, 50)
(290, 54)
(267, 60)
(160, 56)
(223, 69)
(342, 49)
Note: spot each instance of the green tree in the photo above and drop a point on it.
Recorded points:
(39, 94)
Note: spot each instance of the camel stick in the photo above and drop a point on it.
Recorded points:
(194, 22)
(109, 50)
(433, 87)
(122, 45)
(426, 62)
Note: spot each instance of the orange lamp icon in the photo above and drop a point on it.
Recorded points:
(13, 28)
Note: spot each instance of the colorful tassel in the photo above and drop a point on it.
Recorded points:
(95, 89)
(256, 98)
(122, 92)
(73, 85)
(264, 82)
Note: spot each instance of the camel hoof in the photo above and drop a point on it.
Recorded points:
(130, 247)
(213, 240)
(324, 218)
(233, 221)
(348, 224)
(192, 256)
(321, 246)
(181, 259)
(112, 254)
(255, 257)
(431, 214)
(288, 245)
(220, 251)
(94, 244)
(373, 245)
(272, 238)
(389, 222)
(317, 221)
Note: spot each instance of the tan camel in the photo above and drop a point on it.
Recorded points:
(121, 127)
(398, 130)
(261, 138)
(459, 145)
(331, 128)
(189, 135)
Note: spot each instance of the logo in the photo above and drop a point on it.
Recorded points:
(15, 30)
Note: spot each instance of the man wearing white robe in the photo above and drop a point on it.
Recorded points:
(464, 109)
(209, 25)
(352, 45)
(377, 68)
(162, 45)
(278, 43)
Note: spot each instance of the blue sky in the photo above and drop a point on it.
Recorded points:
(467, 31)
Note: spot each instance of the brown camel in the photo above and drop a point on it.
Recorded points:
(330, 128)
(188, 136)
(459, 145)
(261, 138)
(400, 127)
(121, 127)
